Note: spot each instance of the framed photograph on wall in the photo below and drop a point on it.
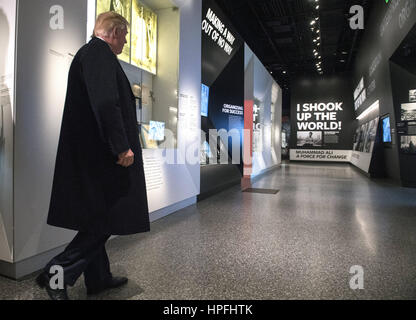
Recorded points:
(412, 95)
(408, 144)
(408, 112)
(309, 138)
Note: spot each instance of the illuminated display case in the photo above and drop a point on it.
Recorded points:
(151, 62)
(143, 38)
(122, 7)
(141, 49)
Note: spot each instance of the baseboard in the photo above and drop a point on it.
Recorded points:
(159, 214)
(360, 171)
(218, 189)
(258, 176)
(408, 184)
(21, 269)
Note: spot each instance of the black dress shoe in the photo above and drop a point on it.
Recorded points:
(113, 282)
(55, 294)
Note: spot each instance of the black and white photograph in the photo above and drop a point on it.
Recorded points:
(309, 139)
(357, 138)
(412, 95)
(408, 111)
(370, 135)
(408, 144)
(331, 137)
(359, 146)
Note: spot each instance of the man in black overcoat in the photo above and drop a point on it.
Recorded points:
(99, 185)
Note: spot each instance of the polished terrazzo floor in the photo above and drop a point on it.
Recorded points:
(297, 244)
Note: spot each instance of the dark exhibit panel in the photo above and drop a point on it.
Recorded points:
(403, 80)
(322, 118)
(222, 102)
(388, 25)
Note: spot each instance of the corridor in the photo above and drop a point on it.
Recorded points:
(297, 244)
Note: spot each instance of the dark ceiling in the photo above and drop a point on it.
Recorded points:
(279, 32)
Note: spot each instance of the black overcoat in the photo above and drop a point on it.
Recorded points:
(90, 191)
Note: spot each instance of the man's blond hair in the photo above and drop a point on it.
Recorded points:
(107, 22)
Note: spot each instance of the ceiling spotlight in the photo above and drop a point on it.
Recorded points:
(313, 22)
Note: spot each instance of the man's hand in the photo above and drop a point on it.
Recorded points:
(126, 159)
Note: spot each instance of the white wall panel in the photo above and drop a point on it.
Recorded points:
(7, 77)
(41, 94)
(268, 92)
(43, 59)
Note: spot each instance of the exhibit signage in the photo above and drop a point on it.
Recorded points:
(222, 76)
(218, 32)
(320, 155)
(319, 116)
(257, 130)
(322, 116)
(318, 125)
(231, 109)
(360, 95)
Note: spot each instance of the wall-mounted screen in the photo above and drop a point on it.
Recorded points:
(408, 144)
(204, 100)
(408, 111)
(156, 131)
(141, 46)
(386, 130)
(145, 140)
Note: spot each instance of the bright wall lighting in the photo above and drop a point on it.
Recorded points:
(141, 48)
(372, 108)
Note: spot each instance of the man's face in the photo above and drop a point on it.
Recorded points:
(118, 40)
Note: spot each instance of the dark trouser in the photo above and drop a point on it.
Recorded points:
(85, 254)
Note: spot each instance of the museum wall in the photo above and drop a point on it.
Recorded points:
(7, 76)
(322, 119)
(40, 93)
(165, 84)
(223, 75)
(267, 95)
(386, 28)
(173, 181)
(41, 80)
(403, 80)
